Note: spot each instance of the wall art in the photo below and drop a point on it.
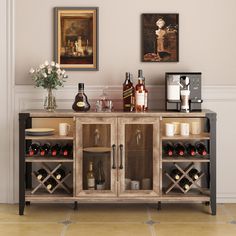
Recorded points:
(76, 37)
(160, 37)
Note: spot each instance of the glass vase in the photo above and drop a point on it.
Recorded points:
(50, 101)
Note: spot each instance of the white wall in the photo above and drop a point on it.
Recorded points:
(207, 39)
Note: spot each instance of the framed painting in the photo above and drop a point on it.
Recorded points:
(160, 37)
(76, 37)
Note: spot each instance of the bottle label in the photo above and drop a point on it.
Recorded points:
(128, 92)
(80, 104)
(146, 100)
(140, 98)
(91, 183)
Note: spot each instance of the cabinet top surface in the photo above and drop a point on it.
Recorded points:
(119, 113)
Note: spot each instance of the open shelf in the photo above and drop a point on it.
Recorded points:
(186, 159)
(48, 159)
(50, 137)
(203, 136)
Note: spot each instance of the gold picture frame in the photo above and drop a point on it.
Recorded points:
(76, 37)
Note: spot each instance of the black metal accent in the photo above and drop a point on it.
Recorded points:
(27, 203)
(75, 205)
(159, 205)
(212, 149)
(22, 124)
(121, 156)
(114, 156)
(28, 166)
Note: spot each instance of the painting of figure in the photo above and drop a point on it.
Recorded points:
(160, 37)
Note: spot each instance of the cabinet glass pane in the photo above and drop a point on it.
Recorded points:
(139, 157)
(97, 149)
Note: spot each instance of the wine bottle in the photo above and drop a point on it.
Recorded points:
(90, 177)
(185, 184)
(140, 75)
(55, 150)
(175, 174)
(201, 149)
(81, 101)
(179, 149)
(191, 149)
(100, 178)
(50, 183)
(140, 91)
(128, 93)
(44, 149)
(66, 150)
(41, 174)
(168, 149)
(59, 174)
(33, 149)
(194, 174)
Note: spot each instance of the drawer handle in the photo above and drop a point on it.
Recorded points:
(121, 156)
(113, 156)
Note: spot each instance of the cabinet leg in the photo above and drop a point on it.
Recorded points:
(213, 208)
(75, 205)
(159, 206)
(21, 209)
(207, 203)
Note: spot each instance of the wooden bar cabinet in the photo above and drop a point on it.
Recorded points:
(130, 148)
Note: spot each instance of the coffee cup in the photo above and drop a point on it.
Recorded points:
(135, 185)
(184, 129)
(64, 129)
(170, 131)
(195, 127)
(146, 184)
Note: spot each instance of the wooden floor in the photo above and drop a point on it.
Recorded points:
(122, 220)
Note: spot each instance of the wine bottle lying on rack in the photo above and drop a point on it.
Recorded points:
(55, 150)
(168, 149)
(44, 149)
(201, 149)
(33, 149)
(175, 174)
(50, 183)
(179, 149)
(66, 150)
(41, 174)
(59, 174)
(194, 174)
(185, 184)
(191, 149)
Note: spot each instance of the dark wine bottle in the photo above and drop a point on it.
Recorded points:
(55, 150)
(175, 174)
(33, 149)
(50, 183)
(100, 177)
(194, 174)
(168, 149)
(185, 184)
(81, 101)
(41, 174)
(66, 150)
(191, 149)
(44, 150)
(179, 149)
(59, 174)
(201, 149)
(128, 93)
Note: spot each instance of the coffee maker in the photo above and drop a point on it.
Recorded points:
(183, 91)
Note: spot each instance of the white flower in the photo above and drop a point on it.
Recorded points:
(46, 63)
(63, 72)
(32, 71)
(58, 71)
(57, 65)
(49, 71)
(45, 75)
(41, 66)
(53, 63)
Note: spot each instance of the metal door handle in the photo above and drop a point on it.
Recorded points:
(113, 156)
(121, 156)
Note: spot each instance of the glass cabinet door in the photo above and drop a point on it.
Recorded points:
(96, 156)
(138, 162)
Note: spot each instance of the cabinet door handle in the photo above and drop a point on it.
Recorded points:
(121, 156)
(114, 156)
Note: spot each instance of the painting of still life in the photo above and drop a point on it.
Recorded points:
(76, 41)
(160, 38)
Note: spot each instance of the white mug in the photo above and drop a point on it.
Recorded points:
(127, 184)
(64, 129)
(170, 129)
(184, 129)
(195, 127)
(146, 184)
(135, 185)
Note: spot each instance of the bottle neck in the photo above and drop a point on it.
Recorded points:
(90, 167)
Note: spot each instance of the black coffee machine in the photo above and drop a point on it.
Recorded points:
(183, 91)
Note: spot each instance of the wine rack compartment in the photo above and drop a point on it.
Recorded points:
(50, 175)
(184, 178)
